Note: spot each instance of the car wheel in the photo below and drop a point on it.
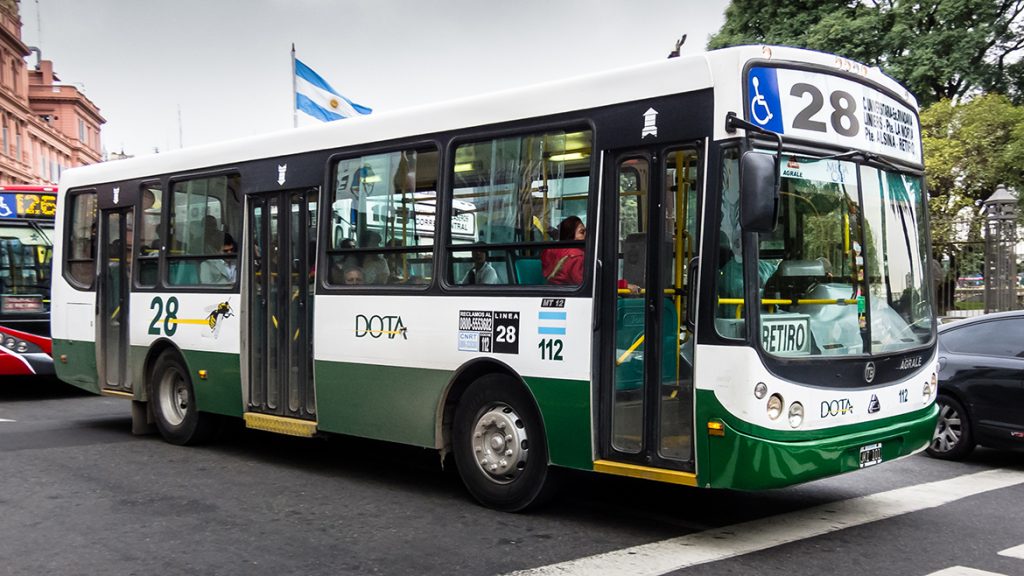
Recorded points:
(499, 445)
(174, 403)
(953, 439)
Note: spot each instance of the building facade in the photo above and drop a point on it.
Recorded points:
(45, 126)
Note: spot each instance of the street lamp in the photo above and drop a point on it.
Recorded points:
(1000, 210)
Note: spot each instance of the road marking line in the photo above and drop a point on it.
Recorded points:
(6, 420)
(730, 541)
(1015, 552)
(964, 571)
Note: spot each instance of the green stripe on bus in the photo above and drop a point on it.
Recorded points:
(79, 365)
(221, 391)
(400, 404)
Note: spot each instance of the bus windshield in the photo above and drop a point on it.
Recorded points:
(25, 253)
(843, 272)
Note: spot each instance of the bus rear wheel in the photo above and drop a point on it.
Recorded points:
(174, 403)
(499, 445)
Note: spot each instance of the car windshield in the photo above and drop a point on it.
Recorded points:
(25, 253)
(843, 271)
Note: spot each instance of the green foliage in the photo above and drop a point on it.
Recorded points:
(969, 149)
(941, 49)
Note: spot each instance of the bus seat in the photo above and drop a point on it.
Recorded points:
(528, 271)
(183, 272)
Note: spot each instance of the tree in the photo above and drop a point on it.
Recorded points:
(946, 49)
(969, 149)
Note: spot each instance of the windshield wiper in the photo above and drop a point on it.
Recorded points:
(866, 157)
(40, 231)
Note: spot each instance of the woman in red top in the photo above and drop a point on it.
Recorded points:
(565, 265)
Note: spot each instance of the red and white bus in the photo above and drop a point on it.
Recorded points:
(26, 249)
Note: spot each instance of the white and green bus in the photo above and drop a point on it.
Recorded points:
(739, 296)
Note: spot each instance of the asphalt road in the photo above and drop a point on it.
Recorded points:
(79, 494)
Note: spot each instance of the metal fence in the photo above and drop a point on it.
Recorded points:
(981, 259)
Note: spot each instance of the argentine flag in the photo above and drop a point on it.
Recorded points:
(314, 96)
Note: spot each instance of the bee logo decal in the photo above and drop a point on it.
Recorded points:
(223, 310)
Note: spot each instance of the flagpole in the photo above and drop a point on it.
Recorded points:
(295, 110)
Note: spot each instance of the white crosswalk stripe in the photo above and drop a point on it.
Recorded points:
(964, 571)
(1015, 552)
(731, 541)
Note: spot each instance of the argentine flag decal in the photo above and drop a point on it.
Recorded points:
(314, 96)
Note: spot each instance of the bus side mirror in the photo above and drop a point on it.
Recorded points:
(759, 192)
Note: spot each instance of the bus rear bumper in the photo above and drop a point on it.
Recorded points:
(743, 462)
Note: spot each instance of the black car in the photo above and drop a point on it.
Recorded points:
(981, 385)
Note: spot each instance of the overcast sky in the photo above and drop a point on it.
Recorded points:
(226, 63)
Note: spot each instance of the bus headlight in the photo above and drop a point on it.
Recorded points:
(22, 347)
(10, 342)
(760, 389)
(774, 406)
(796, 414)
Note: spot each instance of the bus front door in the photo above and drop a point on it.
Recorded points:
(112, 292)
(279, 276)
(647, 382)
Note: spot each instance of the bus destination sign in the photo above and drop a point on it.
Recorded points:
(823, 107)
(30, 205)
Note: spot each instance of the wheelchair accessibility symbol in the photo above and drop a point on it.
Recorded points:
(760, 112)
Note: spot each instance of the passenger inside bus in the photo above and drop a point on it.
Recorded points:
(375, 268)
(482, 272)
(565, 265)
(220, 270)
(354, 276)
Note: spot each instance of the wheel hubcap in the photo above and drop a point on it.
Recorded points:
(948, 430)
(174, 398)
(500, 443)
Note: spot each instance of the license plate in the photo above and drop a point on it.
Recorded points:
(870, 455)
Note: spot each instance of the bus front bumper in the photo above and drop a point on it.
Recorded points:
(740, 461)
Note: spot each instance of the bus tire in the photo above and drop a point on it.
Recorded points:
(953, 438)
(174, 407)
(499, 445)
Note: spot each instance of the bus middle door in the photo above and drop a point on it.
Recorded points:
(279, 276)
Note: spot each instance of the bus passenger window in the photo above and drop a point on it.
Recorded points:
(382, 219)
(81, 260)
(205, 219)
(149, 242)
(510, 197)
(730, 287)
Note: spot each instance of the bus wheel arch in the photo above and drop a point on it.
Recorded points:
(498, 440)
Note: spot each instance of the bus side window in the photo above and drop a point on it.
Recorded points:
(510, 195)
(81, 258)
(149, 240)
(205, 219)
(383, 219)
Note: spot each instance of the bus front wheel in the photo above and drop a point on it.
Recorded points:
(499, 445)
(174, 403)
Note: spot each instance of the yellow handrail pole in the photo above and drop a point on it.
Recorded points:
(629, 351)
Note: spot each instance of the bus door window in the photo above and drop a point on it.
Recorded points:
(630, 315)
(519, 210)
(149, 241)
(679, 240)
